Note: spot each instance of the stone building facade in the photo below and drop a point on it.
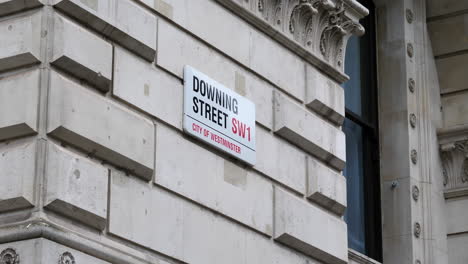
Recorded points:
(95, 166)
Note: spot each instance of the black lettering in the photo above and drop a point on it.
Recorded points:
(196, 85)
(218, 97)
(195, 104)
(211, 92)
(225, 120)
(207, 111)
(234, 106)
(201, 106)
(228, 103)
(213, 115)
(202, 88)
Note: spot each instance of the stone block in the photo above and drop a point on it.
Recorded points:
(181, 166)
(123, 21)
(455, 109)
(76, 187)
(452, 73)
(82, 53)
(82, 118)
(192, 15)
(19, 99)
(445, 7)
(196, 235)
(13, 6)
(176, 49)
(43, 251)
(326, 187)
(20, 39)
(289, 73)
(457, 213)
(448, 35)
(309, 132)
(147, 87)
(456, 246)
(324, 96)
(18, 163)
(306, 228)
(280, 160)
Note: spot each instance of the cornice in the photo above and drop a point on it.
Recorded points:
(316, 30)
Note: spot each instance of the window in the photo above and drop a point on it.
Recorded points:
(362, 146)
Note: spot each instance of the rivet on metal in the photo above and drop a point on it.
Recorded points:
(417, 230)
(394, 184)
(411, 84)
(410, 50)
(415, 193)
(409, 16)
(412, 120)
(414, 156)
(9, 256)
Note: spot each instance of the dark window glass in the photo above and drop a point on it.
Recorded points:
(362, 147)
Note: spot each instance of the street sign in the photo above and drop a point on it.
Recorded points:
(219, 116)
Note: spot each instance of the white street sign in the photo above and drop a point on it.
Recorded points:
(219, 116)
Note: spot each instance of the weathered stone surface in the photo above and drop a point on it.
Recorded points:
(17, 163)
(280, 160)
(326, 187)
(19, 99)
(290, 76)
(445, 7)
(306, 228)
(324, 96)
(309, 132)
(43, 251)
(177, 49)
(13, 6)
(448, 35)
(196, 235)
(20, 41)
(85, 119)
(181, 166)
(149, 88)
(76, 186)
(455, 109)
(82, 53)
(456, 245)
(122, 21)
(452, 73)
(457, 213)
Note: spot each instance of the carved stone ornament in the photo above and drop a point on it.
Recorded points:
(414, 156)
(66, 258)
(415, 193)
(455, 164)
(9, 256)
(417, 230)
(418, 261)
(410, 50)
(411, 84)
(409, 16)
(412, 120)
(322, 27)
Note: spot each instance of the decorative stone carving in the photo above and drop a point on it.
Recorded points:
(66, 258)
(417, 230)
(455, 164)
(410, 50)
(411, 84)
(414, 156)
(409, 16)
(415, 192)
(412, 120)
(9, 256)
(418, 261)
(320, 26)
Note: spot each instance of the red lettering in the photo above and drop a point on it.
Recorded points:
(240, 128)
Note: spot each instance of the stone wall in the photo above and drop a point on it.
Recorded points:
(448, 28)
(95, 167)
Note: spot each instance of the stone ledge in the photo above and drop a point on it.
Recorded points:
(13, 6)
